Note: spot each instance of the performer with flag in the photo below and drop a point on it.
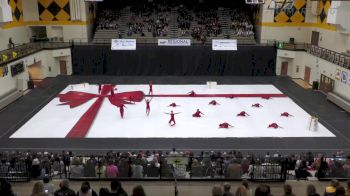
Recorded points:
(150, 92)
(99, 88)
(148, 107)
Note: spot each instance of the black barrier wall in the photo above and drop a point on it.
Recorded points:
(181, 61)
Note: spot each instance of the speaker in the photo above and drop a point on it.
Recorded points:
(315, 85)
(291, 40)
(30, 84)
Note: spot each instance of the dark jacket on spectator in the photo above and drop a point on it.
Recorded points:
(64, 192)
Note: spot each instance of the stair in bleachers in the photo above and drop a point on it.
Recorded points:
(173, 27)
(105, 35)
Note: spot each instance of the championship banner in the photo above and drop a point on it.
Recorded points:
(344, 77)
(174, 42)
(123, 44)
(224, 44)
(337, 74)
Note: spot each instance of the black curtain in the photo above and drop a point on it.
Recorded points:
(155, 60)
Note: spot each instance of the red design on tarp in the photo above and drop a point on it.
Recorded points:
(76, 98)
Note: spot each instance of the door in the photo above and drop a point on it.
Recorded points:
(63, 68)
(307, 74)
(284, 69)
(315, 38)
(326, 84)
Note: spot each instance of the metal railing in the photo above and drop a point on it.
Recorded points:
(330, 56)
(167, 169)
(20, 51)
(17, 172)
(323, 53)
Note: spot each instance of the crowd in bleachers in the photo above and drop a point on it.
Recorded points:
(149, 17)
(241, 24)
(198, 20)
(108, 19)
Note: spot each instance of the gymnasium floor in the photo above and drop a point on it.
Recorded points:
(313, 102)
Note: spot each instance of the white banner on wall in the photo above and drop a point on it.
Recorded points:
(224, 44)
(123, 44)
(174, 42)
(344, 77)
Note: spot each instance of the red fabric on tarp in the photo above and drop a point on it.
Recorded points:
(76, 98)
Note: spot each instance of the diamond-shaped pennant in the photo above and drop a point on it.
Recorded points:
(54, 8)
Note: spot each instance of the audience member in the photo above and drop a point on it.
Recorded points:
(138, 191)
(86, 190)
(347, 191)
(5, 188)
(117, 189)
(77, 168)
(216, 191)
(112, 170)
(246, 185)
(330, 190)
(288, 190)
(241, 191)
(38, 189)
(340, 191)
(103, 192)
(262, 190)
(227, 187)
(48, 187)
(311, 190)
(64, 189)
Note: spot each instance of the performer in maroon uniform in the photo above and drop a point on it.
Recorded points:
(286, 114)
(172, 118)
(121, 110)
(243, 113)
(231, 97)
(225, 125)
(257, 105)
(173, 105)
(197, 114)
(148, 107)
(150, 88)
(99, 88)
(266, 97)
(192, 93)
(213, 102)
(274, 125)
